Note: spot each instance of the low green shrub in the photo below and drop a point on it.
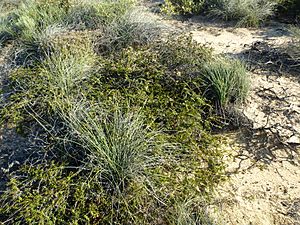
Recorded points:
(162, 79)
(117, 169)
(183, 6)
(226, 81)
(57, 194)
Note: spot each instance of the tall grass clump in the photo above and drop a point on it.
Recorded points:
(41, 90)
(67, 68)
(191, 211)
(33, 24)
(247, 12)
(119, 147)
(93, 14)
(226, 81)
(135, 28)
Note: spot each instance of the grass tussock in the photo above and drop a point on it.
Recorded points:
(119, 147)
(134, 28)
(226, 81)
(249, 13)
(187, 214)
(35, 25)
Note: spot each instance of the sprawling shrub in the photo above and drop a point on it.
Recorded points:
(110, 166)
(56, 193)
(183, 6)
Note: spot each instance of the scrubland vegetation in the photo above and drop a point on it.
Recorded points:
(250, 13)
(124, 109)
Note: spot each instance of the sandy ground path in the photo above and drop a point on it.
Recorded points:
(264, 182)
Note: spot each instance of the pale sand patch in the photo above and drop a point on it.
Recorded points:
(260, 191)
(235, 40)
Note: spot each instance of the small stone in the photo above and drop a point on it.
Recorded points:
(294, 140)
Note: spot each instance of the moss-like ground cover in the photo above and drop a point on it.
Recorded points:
(125, 119)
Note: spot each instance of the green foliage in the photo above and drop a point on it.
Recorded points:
(56, 194)
(136, 27)
(246, 12)
(288, 9)
(159, 78)
(119, 147)
(226, 81)
(119, 169)
(162, 80)
(95, 14)
(42, 199)
(36, 25)
(183, 6)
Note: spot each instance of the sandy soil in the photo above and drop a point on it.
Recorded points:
(264, 174)
(264, 185)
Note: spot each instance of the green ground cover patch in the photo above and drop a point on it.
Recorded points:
(126, 131)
